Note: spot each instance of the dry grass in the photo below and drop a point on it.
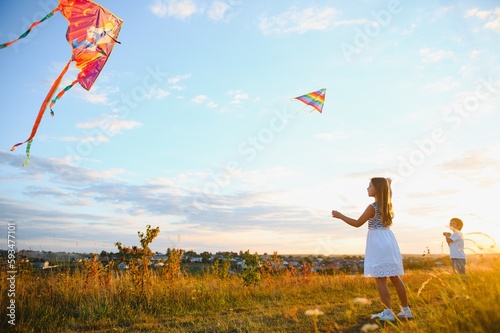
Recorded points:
(96, 300)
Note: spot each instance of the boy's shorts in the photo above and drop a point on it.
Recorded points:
(458, 265)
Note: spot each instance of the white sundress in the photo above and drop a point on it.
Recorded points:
(382, 255)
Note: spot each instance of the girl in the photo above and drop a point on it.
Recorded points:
(382, 256)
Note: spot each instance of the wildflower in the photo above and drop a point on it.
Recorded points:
(362, 301)
(369, 328)
(316, 312)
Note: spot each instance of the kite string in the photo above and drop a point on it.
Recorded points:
(303, 108)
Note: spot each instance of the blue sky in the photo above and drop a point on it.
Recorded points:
(192, 126)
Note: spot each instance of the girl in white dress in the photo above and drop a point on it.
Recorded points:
(382, 255)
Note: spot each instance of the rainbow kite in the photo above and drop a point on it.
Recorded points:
(316, 99)
(92, 33)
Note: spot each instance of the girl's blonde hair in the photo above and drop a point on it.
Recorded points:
(383, 196)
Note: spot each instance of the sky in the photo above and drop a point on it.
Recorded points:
(192, 126)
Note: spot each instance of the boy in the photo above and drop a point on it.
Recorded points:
(455, 241)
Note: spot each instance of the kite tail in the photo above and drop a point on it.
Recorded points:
(41, 112)
(61, 93)
(28, 154)
(34, 24)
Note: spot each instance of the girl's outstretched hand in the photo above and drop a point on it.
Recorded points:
(336, 214)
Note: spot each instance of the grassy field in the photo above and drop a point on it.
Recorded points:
(94, 299)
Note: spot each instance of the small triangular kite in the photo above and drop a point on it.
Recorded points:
(316, 99)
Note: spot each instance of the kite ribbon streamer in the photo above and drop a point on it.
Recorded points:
(61, 93)
(49, 15)
(92, 33)
(28, 154)
(42, 109)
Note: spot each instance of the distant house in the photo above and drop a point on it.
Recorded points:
(123, 266)
(196, 259)
(159, 257)
(334, 266)
(40, 263)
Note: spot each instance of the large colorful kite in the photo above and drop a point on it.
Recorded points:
(92, 33)
(316, 99)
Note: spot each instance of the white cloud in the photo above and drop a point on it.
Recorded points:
(480, 167)
(494, 23)
(95, 98)
(481, 14)
(175, 80)
(178, 78)
(445, 84)
(176, 8)
(492, 17)
(467, 71)
(97, 95)
(109, 125)
(434, 56)
(158, 9)
(203, 99)
(200, 99)
(302, 20)
(97, 138)
(237, 96)
(474, 54)
(211, 104)
(157, 93)
(218, 10)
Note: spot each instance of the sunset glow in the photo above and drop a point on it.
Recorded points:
(192, 126)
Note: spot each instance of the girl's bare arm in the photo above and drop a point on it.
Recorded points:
(367, 214)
